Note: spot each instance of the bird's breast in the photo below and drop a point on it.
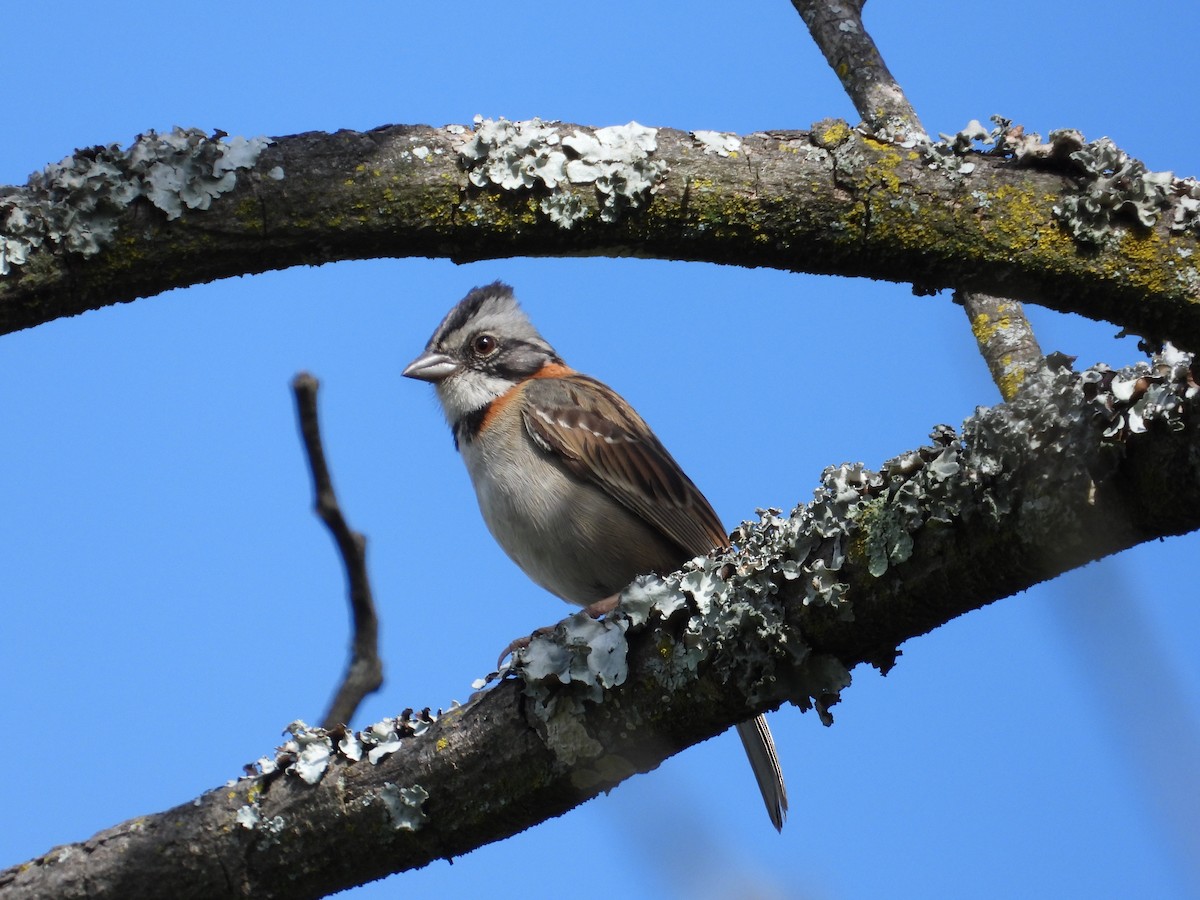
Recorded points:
(567, 535)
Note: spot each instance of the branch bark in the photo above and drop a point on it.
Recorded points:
(837, 28)
(828, 201)
(1077, 467)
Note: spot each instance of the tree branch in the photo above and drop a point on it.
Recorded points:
(1005, 339)
(1002, 332)
(837, 28)
(1077, 467)
(364, 673)
(830, 201)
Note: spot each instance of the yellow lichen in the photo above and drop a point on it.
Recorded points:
(985, 328)
(1146, 261)
(665, 650)
(883, 169)
(835, 133)
(1011, 380)
(1021, 215)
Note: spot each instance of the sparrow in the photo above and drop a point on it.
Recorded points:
(572, 483)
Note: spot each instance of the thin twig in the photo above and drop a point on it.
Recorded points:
(1004, 335)
(364, 674)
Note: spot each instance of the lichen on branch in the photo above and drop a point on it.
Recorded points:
(76, 204)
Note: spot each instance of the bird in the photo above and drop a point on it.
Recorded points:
(571, 481)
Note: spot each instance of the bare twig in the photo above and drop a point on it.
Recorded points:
(364, 674)
(1003, 334)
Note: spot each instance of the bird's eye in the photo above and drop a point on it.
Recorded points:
(484, 345)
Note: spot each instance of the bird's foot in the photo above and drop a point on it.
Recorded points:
(594, 610)
(521, 643)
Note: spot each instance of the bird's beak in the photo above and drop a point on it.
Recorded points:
(431, 366)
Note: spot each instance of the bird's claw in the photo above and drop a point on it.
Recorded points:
(594, 610)
(521, 643)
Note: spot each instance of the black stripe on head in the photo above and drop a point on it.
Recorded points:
(467, 307)
(493, 309)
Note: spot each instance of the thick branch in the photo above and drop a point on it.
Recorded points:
(831, 201)
(1079, 466)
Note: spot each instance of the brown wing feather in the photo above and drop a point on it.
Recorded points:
(602, 440)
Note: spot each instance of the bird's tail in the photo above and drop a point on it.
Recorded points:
(760, 750)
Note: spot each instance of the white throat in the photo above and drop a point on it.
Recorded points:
(469, 391)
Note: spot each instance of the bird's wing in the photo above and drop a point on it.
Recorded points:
(603, 441)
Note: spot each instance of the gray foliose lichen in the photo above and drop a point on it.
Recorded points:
(1114, 191)
(537, 156)
(75, 205)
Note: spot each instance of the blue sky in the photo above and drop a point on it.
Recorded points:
(171, 602)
